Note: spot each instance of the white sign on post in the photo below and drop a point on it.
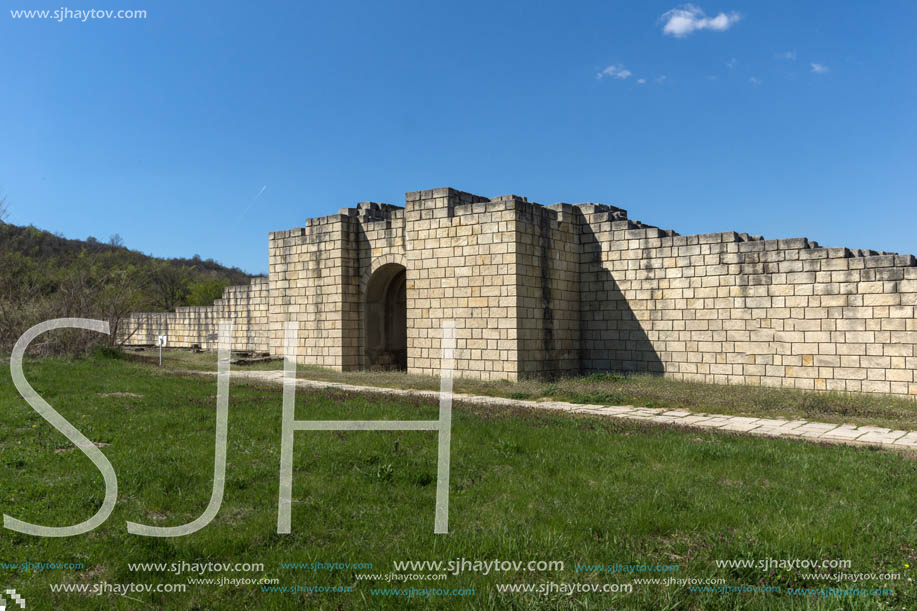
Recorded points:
(161, 341)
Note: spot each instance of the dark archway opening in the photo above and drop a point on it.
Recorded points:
(386, 318)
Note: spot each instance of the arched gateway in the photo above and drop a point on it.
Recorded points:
(386, 318)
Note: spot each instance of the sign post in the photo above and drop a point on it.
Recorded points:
(161, 342)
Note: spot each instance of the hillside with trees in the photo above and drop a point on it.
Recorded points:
(45, 276)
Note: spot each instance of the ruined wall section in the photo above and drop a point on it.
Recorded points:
(461, 265)
(733, 308)
(547, 257)
(245, 305)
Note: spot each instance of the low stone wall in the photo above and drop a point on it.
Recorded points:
(246, 306)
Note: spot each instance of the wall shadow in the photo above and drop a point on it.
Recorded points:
(612, 338)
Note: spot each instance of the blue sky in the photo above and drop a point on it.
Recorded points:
(202, 127)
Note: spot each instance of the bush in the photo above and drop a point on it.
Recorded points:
(107, 352)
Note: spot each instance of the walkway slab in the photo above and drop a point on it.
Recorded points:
(776, 427)
(845, 431)
(882, 438)
(908, 440)
(741, 424)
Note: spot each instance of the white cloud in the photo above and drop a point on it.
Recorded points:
(787, 55)
(754, 81)
(819, 68)
(687, 18)
(660, 79)
(614, 71)
(732, 63)
(641, 81)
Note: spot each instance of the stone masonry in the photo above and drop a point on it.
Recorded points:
(567, 289)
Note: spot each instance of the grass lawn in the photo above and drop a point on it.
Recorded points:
(525, 485)
(609, 389)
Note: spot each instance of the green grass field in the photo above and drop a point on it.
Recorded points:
(525, 485)
(609, 389)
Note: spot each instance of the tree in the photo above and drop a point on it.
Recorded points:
(117, 298)
(4, 210)
(23, 296)
(116, 240)
(170, 285)
(92, 287)
(205, 292)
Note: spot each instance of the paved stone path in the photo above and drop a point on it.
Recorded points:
(794, 429)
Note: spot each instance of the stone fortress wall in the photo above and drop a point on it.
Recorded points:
(567, 289)
(246, 306)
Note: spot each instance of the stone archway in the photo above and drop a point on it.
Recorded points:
(385, 307)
